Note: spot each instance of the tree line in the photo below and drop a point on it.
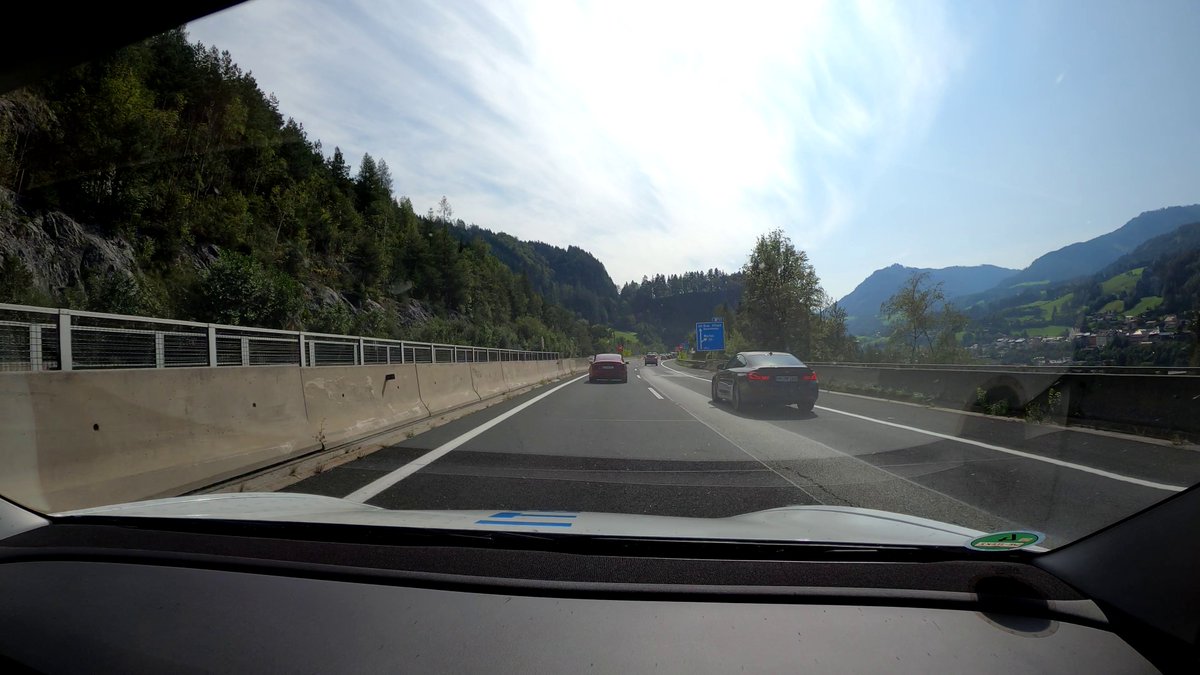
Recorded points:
(236, 216)
(783, 306)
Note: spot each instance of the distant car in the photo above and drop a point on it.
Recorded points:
(759, 378)
(608, 367)
(651, 359)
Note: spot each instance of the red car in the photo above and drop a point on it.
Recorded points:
(608, 367)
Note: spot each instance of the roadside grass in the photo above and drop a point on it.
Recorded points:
(1117, 306)
(1047, 307)
(1146, 304)
(1047, 331)
(1122, 283)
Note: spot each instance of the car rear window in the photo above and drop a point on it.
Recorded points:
(608, 357)
(756, 360)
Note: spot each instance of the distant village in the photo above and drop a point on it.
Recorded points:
(1107, 329)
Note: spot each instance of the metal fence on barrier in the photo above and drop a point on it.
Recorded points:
(40, 338)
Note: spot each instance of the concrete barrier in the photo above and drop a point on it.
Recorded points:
(957, 388)
(78, 439)
(73, 440)
(546, 370)
(349, 402)
(521, 373)
(1161, 405)
(488, 380)
(445, 386)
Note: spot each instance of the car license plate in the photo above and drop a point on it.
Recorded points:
(606, 367)
(787, 378)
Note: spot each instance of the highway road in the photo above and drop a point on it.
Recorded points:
(659, 445)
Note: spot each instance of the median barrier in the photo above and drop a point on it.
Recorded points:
(957, 388)
(345, 403)
(1139, 403)
(1151, 404)
(488, 379)
(78, 439)
(445, 386)
(522, 374)
(513, 376)
(546, 370)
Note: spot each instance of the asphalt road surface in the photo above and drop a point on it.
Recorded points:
(659, 445)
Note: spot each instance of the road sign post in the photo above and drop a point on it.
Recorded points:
(710, 336)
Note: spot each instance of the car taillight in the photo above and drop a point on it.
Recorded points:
(811, 377)
(757, 376)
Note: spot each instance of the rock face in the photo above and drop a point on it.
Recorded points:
(59, 252)
(413, 313)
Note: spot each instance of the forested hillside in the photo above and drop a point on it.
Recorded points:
(570, 277)
(163, 181)
(666, 308)
(190, 195)
(1156, 288)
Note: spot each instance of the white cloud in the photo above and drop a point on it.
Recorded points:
(660, 136)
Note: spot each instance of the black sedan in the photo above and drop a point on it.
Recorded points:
(759, 378)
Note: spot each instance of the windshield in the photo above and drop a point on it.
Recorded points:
(392, 263)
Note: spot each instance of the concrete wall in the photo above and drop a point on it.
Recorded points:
(488, 379)
(1162, 405)
(78, 439)
(348, 402)
(445, 386)
(525, 373)
(954, 387)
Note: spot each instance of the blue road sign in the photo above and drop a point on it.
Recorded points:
(710, 336)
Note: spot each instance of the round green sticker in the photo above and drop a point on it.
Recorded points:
(1005, 541)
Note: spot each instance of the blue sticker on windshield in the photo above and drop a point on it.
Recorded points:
(528, 519)
(535, 514)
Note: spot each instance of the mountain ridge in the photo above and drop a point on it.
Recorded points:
(1075, 261)
(862, 304)
(1088, 257)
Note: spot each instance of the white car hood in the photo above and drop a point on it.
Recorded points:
(836, 524)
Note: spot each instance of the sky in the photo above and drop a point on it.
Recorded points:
(666, 136)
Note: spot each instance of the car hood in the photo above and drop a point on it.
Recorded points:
(835, 524)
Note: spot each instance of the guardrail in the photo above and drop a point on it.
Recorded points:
(41, 338)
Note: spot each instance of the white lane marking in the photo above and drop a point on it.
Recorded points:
(379, 485)
(989, 446)
(702, 379)
(1016, 453)
(749, 454)
(656, 394)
